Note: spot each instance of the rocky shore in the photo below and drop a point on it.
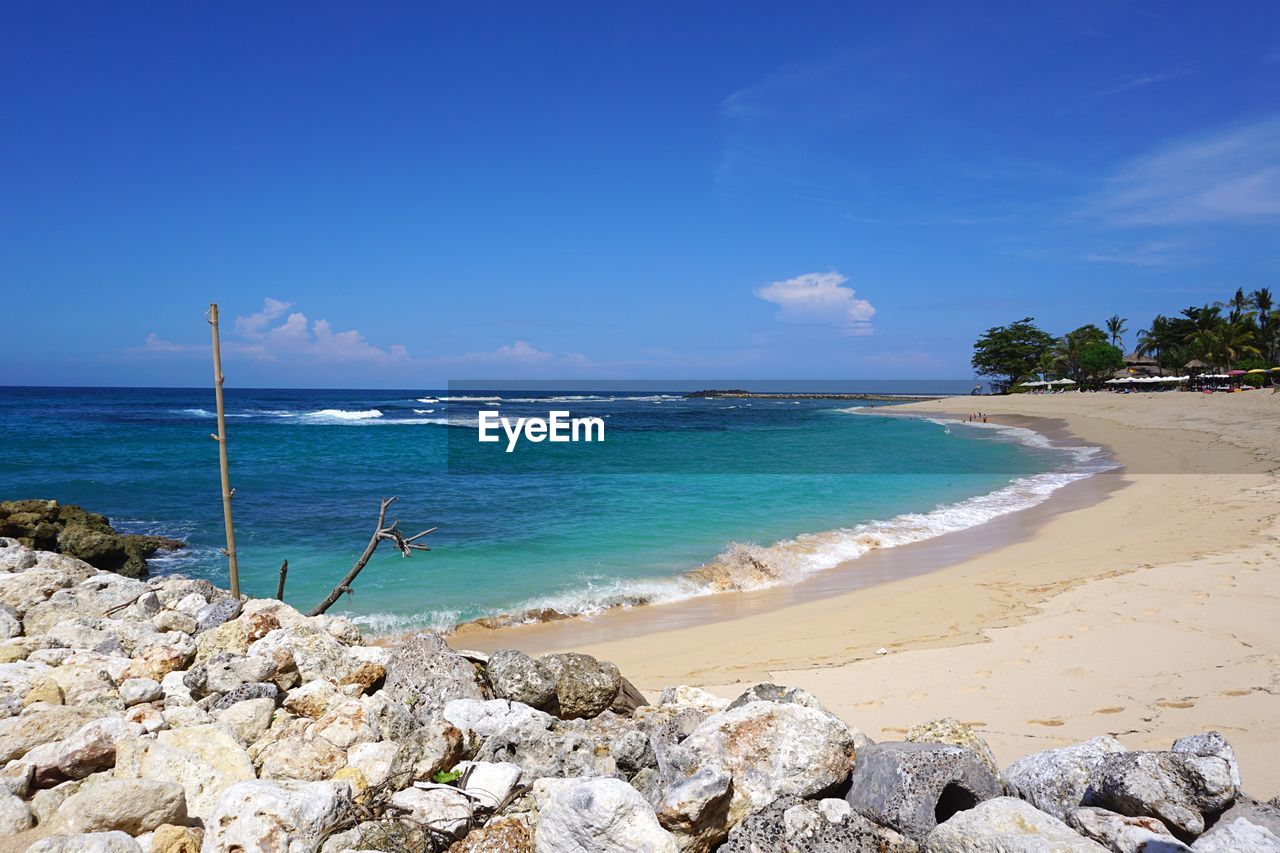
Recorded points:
(166, 716)
(67, 529)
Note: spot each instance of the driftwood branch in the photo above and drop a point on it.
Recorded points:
(381, 532)
(284, 571)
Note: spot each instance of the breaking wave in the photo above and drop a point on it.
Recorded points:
(743, 566)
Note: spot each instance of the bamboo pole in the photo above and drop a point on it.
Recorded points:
(221, 438)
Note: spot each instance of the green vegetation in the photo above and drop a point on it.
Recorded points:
(446, 777)
(1243, 333)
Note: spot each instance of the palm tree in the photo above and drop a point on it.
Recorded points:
(1238, 305)
(1225, 342)
(1116, 329)
(1268, 324)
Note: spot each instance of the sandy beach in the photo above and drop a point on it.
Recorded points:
(1142, 603)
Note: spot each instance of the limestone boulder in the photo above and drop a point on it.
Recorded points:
(248, 720)
(92, 747)
(315, 653)
(739, 761)
(1182, 789)
(425, 674)
(15, 815)
(40, 725)
(288, 817)
(204, 760)
(584, 687)
(952, 731)
(134, 806)
(600, 815)
(91, 842)
(1055, 780)
(519, 678)
(1123, 833)
(1236, 836)
(443, 808)
(489, 782)
(1004, 825)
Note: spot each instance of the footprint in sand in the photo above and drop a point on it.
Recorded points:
(870, 703)
(891, 730)
(917, 695)
(982, 673)
(1176, 703)
(1045, 722)
(1108, 710)
(1236, 692)
(1031, 650)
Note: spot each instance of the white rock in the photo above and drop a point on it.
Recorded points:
(14, 815)
(191, 604)
(694, 696)
(596, 815)
(9, 625)
(485, 717)
(1055, 780)
(374, 760)
(129, 805)
(185, 716)
(311, 699)
(174, 620)
(345, 723)
(834, 809)
(1006, 825)
(282, 817)
(204, 760)
(249, 720)
(380, 655)
(757, 752)
(135, 691)
(1237, 836)
(489, 782)
(314, 651)
(1123, 833)
(444, 808)
(95, 842)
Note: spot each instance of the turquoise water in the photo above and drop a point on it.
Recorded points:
(754, 492)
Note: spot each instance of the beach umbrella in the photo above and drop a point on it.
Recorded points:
(1259, 370)
(1063, 382)
(1235, 373)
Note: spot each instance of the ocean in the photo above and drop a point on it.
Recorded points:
(684, 498)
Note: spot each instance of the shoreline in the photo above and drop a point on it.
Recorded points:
(874, 567)
(1149, 537)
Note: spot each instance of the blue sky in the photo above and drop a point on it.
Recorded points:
(397, 194)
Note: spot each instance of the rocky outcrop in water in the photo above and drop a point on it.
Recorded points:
(66, 529)
(166, 716)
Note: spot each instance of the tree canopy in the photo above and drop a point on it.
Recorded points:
(1009, 354)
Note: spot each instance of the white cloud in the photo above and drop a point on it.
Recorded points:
(154, 343)
(254, 324)
(1229, 176)
(1152, 254)
(296, 339)
(819, 298)
(306, 340)
(518, 354)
